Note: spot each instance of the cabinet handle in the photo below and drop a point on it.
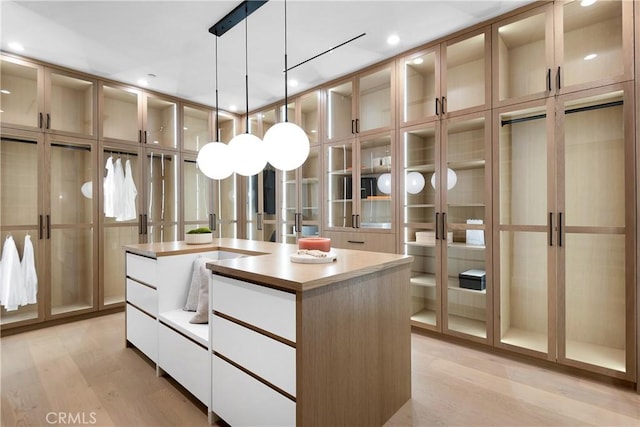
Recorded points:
(437, 102)
(139, 136)
(48, 226)
(358, 221)
(259, 222)
(353, 221)
(40, 225)
(48, 121)
(360, 242)
(145, 136)
(357, 125)
(353, 122)
(212, 222)
(145, 224)
(444, 105)
(443, 234)
(140, 224)
(436, 230)
(560, 229)
(40, 121)
(549, 79)
(297, 225)
(558, 79)
(550, 228)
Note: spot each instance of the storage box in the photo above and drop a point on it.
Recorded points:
(473, 279)
(429, 237)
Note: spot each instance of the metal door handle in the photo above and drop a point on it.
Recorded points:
(212, 222)
(443, 234)
(550, 228)
(40, 121)
(140, 224)
(560, 229)
(48, 121)
(361, 242)
(444, 105)
(549, 79)
(437, 102)
(353, 122)
(357, 125)
(145, 226)
(259, 222)
(358, 221)
(40, 225)
(558, 79)
(145, 136)
(436, 228)
(48, 226)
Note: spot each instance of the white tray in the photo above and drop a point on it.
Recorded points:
(309, 259)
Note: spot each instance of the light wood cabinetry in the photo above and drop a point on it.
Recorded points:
(46, 99)
(565, 229)
(46, 190)
(562, 47)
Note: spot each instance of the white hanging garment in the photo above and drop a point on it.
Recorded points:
(29, 275)
(129, 192)
(109, 190)
(11, 282)
(118, 188)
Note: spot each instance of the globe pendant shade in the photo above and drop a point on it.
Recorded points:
(415, 182)
(248, 154)
(452, 179)
(287, 146)
(214, 160)
(384, 183)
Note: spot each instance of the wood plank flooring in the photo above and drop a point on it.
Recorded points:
(81, 373)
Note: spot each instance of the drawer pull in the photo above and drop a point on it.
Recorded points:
(356, 241)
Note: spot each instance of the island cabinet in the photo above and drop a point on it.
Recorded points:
(286, 344)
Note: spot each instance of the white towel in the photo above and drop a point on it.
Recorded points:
(11, 282)
(29, 275)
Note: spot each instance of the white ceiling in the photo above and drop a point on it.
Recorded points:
(127, 40)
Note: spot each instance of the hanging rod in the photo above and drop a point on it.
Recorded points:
(120, 153)
(326, 51)
(570, 111)
(71, 147)
(237, 15)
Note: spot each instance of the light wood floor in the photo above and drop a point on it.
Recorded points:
(82, 369)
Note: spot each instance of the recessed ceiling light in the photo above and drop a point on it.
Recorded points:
(233, 108)
(143, 82)
(293, 82)
(16, 46)
(151, 76)
(585, 3)
(418, 61)
(393, 39)
(4, 91)
(590, 56)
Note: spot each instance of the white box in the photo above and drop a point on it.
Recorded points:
(429, 237)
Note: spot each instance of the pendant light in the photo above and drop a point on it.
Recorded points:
(247, 150)
(287, 145)
(214, 158)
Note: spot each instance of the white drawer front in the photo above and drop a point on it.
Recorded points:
(269, 359)
(142, 296)
(142, 269)
(142, 331)
(187, 362)
(241, 400)
(265, 308)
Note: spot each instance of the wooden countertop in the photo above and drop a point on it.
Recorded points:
(269, 264)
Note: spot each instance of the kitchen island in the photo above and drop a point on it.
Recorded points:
(289, 343)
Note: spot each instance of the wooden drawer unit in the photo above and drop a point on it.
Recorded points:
(142, 331)
(187, 362)
(241, 400)
(142, 269)
(143, 297)
(362, 241)
(269, 309)
(269, 359)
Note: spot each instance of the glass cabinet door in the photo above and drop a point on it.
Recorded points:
(162, 197)
(595, 237)
(420, 154)
(226, 207)
(465, 75)
(289, 201)
(421, 76)
(340, 121)
(71, 104)
(339, 181)
(20, 207)
(197, 192)
(161, 122)
(465, 182)
(310, 200)
(120, 113)
(374, 101)
(523, 48)
(593, 46)
(309, 119)
(376, 182)
(70, 227)
(524, 219)
(19, 89)
(119, 229)
(195, 128)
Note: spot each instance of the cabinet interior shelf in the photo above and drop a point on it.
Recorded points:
(429, 280)
(456, 166)
(451, 245)
(178, 319)
(423, 205)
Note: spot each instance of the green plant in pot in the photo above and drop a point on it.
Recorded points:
(199, 236)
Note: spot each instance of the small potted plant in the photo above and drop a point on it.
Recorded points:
(199, 236)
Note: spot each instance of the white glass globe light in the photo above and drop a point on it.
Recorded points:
(215, 161)
(384, 183)
(286, 145)
(452, 179)
(87, 189)
(415, 182)
(248, 154)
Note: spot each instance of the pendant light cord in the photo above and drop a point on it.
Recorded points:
(246, 65)
(217, 119)
(286, 103)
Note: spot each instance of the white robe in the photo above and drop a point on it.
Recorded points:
(29, 275)
(11, 282)
(128, 195)
(109, 190)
